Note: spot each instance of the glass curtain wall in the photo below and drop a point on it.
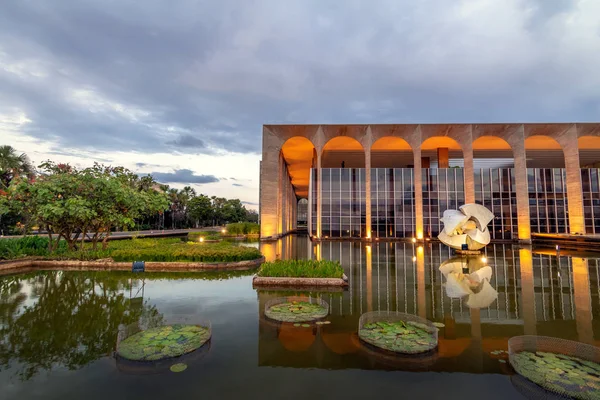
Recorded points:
(343, 210)
(495, 189)
(590, 183)
(443, 189)
(548, 200)
(392, 202)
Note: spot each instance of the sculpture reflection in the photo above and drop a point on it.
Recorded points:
(469, 276)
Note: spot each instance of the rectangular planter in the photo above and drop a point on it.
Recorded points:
(264, 281)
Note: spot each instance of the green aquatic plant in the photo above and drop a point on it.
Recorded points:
(399, 336)
(302, 269)
(559, 373)
(296, 311)
(179, 367)
(163, 342)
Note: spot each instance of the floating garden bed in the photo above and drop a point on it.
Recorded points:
(301, 273)
(564, 367)
(296, 309)
(164, 342)
(397, 332)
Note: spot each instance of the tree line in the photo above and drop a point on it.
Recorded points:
(72, 203)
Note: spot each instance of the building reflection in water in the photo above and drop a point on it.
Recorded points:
(526, 292)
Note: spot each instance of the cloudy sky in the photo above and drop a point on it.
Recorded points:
(180, 89)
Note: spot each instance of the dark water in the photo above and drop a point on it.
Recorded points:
(58, 330)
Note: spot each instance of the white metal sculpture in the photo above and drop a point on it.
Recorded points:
(468, 225)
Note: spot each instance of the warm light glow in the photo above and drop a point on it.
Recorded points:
(414, 240)
(483, 259)
(420, 250)
(414, 258)
(419, 235)
(223, 230)
(201, 239)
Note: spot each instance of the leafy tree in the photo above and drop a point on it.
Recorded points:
(200, 210)
(13, 165)
(233, 211)
(70, 202)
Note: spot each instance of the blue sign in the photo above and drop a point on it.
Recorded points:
(138, 266)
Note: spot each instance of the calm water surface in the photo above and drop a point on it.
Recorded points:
(58, 330)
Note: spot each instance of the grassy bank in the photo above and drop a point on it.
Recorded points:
(301, 269)
(164, 250)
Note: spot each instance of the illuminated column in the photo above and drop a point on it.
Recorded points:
(269, 184)
(369, 278)
(522, 186)
(574, 189)
(280, 195)
(319, 182)
(467, 147)
(418, 190)
(368, 191)
(583, 300)
(527, 292)
(421, 292)
(443, 159)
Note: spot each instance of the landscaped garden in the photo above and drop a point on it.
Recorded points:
(161, 250)
(301, 269)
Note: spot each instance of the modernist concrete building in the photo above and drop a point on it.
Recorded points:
(395, 181)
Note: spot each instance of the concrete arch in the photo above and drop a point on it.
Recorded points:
(298, 154)
(343, 149)
(391, 152)
(543, 151)
(490, 151)
(589, 151)
(442, 149)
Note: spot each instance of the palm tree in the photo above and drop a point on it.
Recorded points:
(13, 165)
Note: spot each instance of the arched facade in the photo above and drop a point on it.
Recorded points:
(478, 144)
(589, 160)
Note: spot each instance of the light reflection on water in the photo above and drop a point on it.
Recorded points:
(58, 329)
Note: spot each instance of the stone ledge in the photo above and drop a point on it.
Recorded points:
(151, 266)
(264, 281)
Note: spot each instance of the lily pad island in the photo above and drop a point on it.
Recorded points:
(164, 342)
(397, 332)
(296, 309)
(561, 366)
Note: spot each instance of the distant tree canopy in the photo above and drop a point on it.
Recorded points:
(94, 201)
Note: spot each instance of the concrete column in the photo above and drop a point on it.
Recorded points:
(527, 291)
(443, 158)
(522, 190)
(583, 300)
(319, 195)
(369, 277)
(280, 190)
(421, 292)
(270, 180)
(418, 188)
(368, 192)
(574, 189)
(467, 146)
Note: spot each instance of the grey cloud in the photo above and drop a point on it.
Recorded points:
(249, 203)
(203, 76)
(237, 184)
(183, 176)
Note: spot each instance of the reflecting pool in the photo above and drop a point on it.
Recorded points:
(58, 330)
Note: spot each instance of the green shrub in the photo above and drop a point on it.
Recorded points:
(302, 269)
(195, 236)
(11, 248)
(194, 252)
(243, 228)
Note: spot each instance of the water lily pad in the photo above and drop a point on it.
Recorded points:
(399, 336)
(566, 375)
(149, 346)
(305, 325)
(179, 367)
(296, 311)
